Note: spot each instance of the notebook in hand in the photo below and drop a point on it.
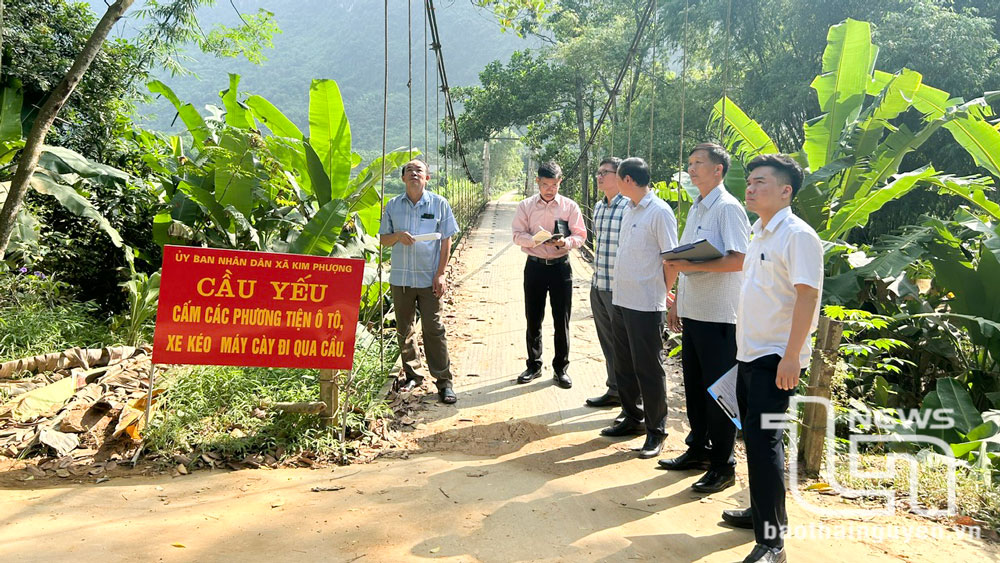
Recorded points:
(697, 251)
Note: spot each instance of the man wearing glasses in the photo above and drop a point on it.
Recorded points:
(608, 213)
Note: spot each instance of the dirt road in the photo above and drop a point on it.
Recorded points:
(511, 473)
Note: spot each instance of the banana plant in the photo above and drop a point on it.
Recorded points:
(853, 152)
(61, 173)
(247, 177)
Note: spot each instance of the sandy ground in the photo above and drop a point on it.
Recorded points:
(511, 473)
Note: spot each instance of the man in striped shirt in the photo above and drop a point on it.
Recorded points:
(608, 214)
(418, 225)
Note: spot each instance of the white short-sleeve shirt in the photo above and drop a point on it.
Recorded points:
(785, 253)
(712, 296)
(648, 229)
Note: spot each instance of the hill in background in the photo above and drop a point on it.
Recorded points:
(343, 40)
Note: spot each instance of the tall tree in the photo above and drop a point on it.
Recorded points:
(173, 22)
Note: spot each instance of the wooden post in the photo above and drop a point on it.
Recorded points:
(821, 369)
(486, 170)
(329, 393)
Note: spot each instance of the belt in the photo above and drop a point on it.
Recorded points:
(549, 261)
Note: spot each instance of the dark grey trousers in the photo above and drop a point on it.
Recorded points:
(638, 371)
(600, 305)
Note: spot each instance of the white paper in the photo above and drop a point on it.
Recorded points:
(724, 393)
(426, 237)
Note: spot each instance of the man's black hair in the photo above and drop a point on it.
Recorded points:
(402, 171)
(614, 160)
(785, 168)
(549, 170)
(636, 168)
(716, 153)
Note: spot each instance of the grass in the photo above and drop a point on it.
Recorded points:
(973, 497)
(38, 315)
(216, 409)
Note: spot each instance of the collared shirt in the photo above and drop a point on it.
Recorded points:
(607, 224)
(712, 297)
(785, 253)
(416, 264)
(535, 214)
(648, 229)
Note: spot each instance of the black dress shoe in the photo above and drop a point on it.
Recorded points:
(447, 395)
(563, 380)
(652, 447)
(738, 518)
(714, 481)
(686, 460)
(622, 417)
(528, 375)
(764, 554)
(605, 400)
(623, 428)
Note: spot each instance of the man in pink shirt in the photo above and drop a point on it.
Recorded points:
(547, 270)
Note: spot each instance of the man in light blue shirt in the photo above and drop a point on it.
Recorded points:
(418, 225)
(639, 296)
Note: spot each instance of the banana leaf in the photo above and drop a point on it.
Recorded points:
(50, 183)
(10, 114)
(855, 212)
(744, 137)
(848, 63)
(321, 233)
(237, 114)
(271, 116)
(189, 115)
(978, 137)
(330, 134)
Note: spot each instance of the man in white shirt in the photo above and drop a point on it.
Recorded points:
(639, 296)
(705, 315)
(778, 310)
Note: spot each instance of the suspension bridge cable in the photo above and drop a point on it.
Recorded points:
(409, 70)
(652, 98)
(684, 63)
(618, 82)
(425, 148)
(725, 73)
(449, 106)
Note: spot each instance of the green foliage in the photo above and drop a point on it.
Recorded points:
(39, 314)
(239, 187)
(217, 409)
(135, 324)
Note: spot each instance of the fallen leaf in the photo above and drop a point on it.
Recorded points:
(435, 550)
(277, 503)
(818, 486)
(178, 545)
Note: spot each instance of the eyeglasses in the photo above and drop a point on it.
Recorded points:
(601, 173)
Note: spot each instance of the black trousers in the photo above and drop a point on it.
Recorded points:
(708, 350)
(638, 371)
(758, 396)
(556, 282)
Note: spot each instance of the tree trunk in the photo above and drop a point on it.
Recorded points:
(584, 158)
(47, 116)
